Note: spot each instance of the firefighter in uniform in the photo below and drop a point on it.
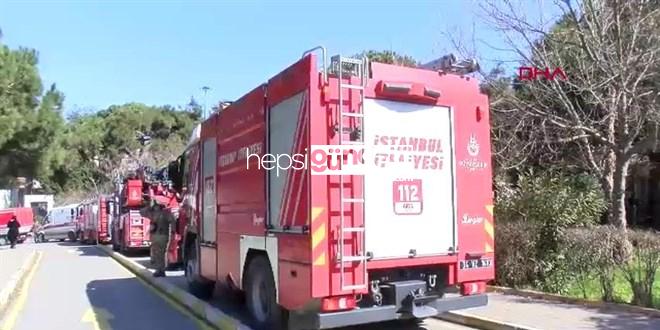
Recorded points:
(162, 225)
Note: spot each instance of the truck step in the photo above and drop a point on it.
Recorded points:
(349, 86)
(353, 200)
(354, 229)
(353, 258)
(354, 287)
(353, 114)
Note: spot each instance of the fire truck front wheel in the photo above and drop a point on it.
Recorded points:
(196, 285)
(260, 294)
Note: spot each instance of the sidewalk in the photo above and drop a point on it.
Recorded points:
(15, 264)
(543, 314)
(11, 260)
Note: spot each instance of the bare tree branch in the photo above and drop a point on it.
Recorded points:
(608, 106)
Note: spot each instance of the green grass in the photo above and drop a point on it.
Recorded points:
(622, 291)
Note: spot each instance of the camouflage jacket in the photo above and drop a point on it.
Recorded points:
(162, 220)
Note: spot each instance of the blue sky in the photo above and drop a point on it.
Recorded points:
(162, 52)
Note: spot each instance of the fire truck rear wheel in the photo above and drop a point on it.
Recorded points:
(115, 246)
(260, 294)
(411, 323)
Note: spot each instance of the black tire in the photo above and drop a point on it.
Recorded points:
(115, 246)
(231, 293)
(42, 238)
(412, 323)
(197, 286)
(72, 237)
(122, 247)
(260, 295)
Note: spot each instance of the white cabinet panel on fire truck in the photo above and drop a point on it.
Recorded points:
(209, 154)
(409, 193)
(283, 122)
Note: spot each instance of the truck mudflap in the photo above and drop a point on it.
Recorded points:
(407, 302)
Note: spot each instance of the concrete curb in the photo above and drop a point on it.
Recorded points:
(12, 287)
(480, 322)
(203, 310)
(575, 301)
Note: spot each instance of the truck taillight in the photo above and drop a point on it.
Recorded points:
(332, 304)
(473, 288)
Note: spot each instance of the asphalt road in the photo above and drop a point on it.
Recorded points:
(80, 288)
(77, 287)
(239, 311)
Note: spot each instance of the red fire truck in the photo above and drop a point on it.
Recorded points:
(131, 231)
(93, 221)
(405, 233)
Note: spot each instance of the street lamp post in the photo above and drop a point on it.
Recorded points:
(205, 89)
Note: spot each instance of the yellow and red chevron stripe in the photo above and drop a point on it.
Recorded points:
(490, 230)
(319, 237)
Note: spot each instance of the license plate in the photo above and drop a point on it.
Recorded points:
(475, 263)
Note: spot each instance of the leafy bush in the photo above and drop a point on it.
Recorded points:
(533, 216)
(640, 272)
(591, 255)
(551, 197)
(515, 261)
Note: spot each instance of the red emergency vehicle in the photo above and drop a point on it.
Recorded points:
(25, 217)
(313, 246)
(93, 220)
(131, 230)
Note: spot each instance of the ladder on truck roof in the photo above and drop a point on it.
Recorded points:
(356, 67)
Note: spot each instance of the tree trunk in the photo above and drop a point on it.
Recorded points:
(617, 206)
(607, 184)
(618, 195)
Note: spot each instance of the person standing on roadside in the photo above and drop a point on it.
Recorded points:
(162, 225)
(13, 232)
